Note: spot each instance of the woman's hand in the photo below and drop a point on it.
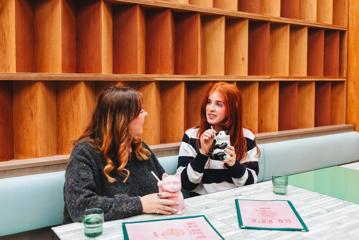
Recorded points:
(159, 203)
(231, 156)
(206, 140)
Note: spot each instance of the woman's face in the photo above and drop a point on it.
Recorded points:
(215, 109)
(135, 127)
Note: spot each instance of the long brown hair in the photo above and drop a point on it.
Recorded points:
(108, 132)
(233, 110)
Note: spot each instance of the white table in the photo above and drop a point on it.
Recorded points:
(326, 217)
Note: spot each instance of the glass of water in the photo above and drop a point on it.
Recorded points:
(93, 221)
(280, 184)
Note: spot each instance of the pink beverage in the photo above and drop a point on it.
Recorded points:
(172, 183)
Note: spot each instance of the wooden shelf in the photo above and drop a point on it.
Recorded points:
(323, 96)
(315, 52)
(288, 105)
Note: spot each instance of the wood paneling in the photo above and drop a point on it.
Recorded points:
(308, 10)
(331, 53)
(236, 47)
(75, 103)
(290, 8)
(315, 52)
(250, 96)
(213, 35)
(306, 104)
(6, 134)
(298, 51)
(288, 105)
(34, 115)
(7, 38)
(340, 12)
(338, 103)
(325, 11)
(279, 50)
(159, 41)
(187, 43)
(323, 108)
(258, 48)
(129, 39)
(202, 3)
(226, 4)
(268, 106)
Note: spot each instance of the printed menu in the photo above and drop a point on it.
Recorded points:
(189, 228)
(269, 215)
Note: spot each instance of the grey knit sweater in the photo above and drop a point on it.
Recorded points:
(87, 187)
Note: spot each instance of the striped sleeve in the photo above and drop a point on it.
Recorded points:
(190, 161)
(245, 171)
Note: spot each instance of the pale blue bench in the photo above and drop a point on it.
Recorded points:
(36, 201)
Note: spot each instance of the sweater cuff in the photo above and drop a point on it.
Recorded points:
(198, 162)
(237, 170)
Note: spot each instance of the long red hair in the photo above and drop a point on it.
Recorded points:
(232, 100)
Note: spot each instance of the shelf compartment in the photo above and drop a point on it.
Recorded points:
(279, 49)
(75, 104)
(343, 54)
(8, 37)
(128, 39)
(323, 96)
(187, 43)
(202, 3)
(34, 115)
(271, 7)
(250, 94)
(213, 49)
(95, 37)
(340, 9)
(268, 102)
(308, 10)
(306, 104)
(259, 48)
(236, 47)
(159, 41)
(152, 104)
(290, 9)
(231, 5)
(252, 6)
(195, 92)
(338, 107)
(325, 11)
(298, 51)
(315, 52)
(172, 111)
(6, 127)
(331, 53)
(288, 105)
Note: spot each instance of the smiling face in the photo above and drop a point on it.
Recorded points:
(215, 110)
(135, 127)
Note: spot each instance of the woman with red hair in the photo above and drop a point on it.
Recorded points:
(204, 172)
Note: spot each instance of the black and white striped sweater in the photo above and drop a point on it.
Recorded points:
(201, 175)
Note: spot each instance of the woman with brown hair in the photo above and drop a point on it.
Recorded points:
(202, 171)
(110, 167)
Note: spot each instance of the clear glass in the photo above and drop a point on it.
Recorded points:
(280, 184)
(93, 221)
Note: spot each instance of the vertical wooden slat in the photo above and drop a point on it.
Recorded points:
(129, 39)
(6, 132)
(159, 42)
(323, 98)
(75, 102)
(340, 12)
(331, 53)
(288, 105)
(106, 38)
(268, 106)
(226, 4)
(34, 115)
(172, 111)
(24, 30)
(250, 96)
(213, 40)
(271, 7)
(298, 51)
(258, 48)
(338, 103)
(279, 50)
(68, 44)
(187, 43)
(353, 65)
(194, 96)
(236, 47)
(202, 3)
(343, 58)
(315, 52)
(7, 38)
(152, 104)
(306, 104)
(308, 10)
(325, 11)
(290, 8)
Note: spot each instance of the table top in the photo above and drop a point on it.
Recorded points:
(327, 217)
